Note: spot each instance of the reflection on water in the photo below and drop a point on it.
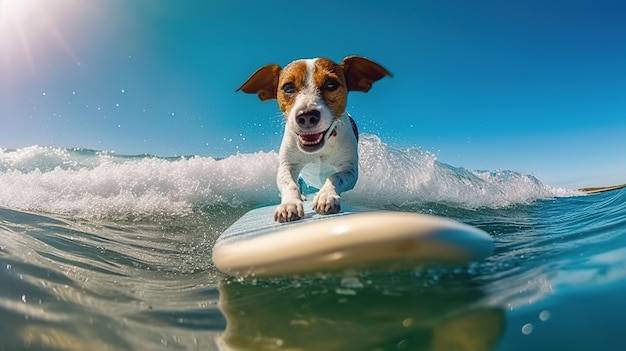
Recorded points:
(380, 311)
(96, 285)
(149, 284)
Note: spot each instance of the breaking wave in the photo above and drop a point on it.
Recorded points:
(99, 184)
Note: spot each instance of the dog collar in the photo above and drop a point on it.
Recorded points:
(332, 131)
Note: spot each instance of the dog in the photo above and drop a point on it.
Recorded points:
(320, 139)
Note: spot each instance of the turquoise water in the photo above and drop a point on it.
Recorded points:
(106, 252)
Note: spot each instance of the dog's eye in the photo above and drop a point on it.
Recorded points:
(289, 88)
(331, 85)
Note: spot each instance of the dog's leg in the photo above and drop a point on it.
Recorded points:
(327, 199)
(290, 208)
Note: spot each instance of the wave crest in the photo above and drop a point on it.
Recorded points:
(89, 183)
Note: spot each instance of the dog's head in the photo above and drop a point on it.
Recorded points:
(312, 93)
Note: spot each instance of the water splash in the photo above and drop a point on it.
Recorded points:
(98, 184)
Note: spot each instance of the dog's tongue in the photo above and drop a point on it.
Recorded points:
(310, 137)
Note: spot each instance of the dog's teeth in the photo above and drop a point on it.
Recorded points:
(318, 138)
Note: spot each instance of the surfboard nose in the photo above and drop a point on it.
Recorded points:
(256, 246)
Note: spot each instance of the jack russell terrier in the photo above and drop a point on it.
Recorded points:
(320, 139)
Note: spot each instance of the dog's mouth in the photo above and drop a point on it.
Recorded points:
(311, 142)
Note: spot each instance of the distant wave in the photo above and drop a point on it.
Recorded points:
(91, 183)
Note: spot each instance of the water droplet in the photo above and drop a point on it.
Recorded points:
(123, 91)
(301, 322)
(544, 315)
(403, 344)
(117, 105)
(43, 94)
(345, 291)
(351, 282)
(527, 329)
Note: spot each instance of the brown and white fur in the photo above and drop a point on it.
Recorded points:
(320, 142)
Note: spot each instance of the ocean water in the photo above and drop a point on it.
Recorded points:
(100, 251)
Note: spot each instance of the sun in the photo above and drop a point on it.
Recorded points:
(28, 25)
(15, 10)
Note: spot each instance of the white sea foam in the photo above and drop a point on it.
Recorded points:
(86, 183)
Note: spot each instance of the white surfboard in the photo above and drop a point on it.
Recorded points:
(255, 245)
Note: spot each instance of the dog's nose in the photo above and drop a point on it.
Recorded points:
(308, 119)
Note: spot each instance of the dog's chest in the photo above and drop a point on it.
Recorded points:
(317, 170)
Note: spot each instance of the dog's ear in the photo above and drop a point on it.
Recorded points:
(264, 82)
(361, 73)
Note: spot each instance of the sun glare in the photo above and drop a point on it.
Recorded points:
(15, 12)
(26, 26)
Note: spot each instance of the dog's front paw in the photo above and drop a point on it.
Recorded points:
(326, 202)
(292, 210)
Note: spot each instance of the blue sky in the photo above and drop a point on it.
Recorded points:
(533, 86)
